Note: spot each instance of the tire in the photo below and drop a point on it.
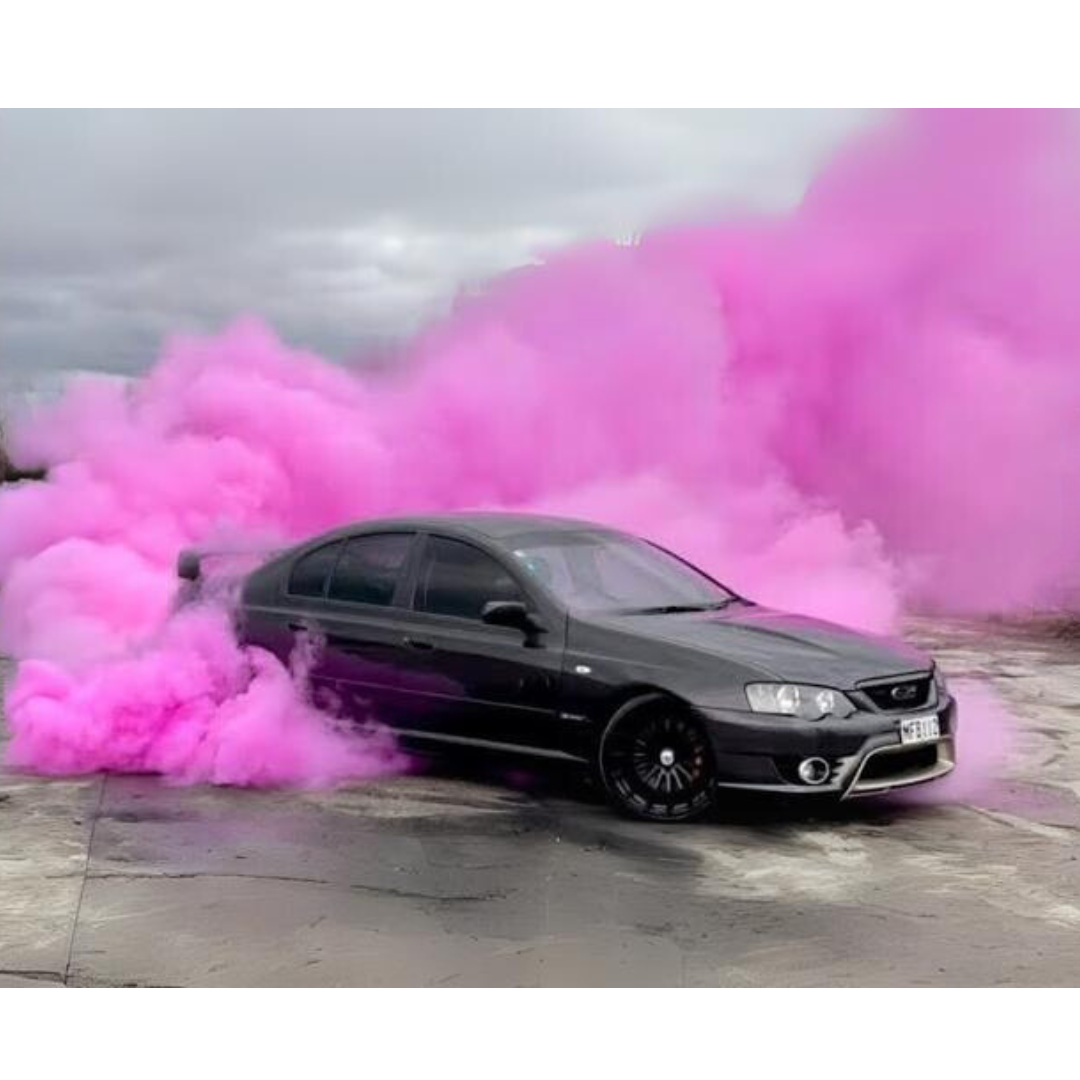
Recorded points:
(656, 763)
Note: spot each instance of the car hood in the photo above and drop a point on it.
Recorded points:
(782, 646)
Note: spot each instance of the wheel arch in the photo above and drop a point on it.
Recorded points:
(629, 699)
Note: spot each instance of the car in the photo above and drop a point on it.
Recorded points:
(570, 641)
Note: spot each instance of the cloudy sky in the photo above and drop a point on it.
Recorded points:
(346, 229)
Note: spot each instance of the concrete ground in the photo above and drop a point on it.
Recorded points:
(463, 879)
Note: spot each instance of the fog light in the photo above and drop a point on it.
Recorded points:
(814, 770)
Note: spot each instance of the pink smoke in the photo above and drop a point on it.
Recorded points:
(870, 402)
(985, 740)
(194, 706)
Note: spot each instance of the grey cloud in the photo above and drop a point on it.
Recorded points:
(346, 229)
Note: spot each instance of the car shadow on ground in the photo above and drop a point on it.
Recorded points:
(553, 782)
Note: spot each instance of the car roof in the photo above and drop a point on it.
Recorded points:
(490, 524)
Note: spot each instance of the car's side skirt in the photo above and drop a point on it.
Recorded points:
(489, 744)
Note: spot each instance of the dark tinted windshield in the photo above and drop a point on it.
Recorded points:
(609, 572)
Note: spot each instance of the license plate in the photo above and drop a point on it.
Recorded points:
(919, 729)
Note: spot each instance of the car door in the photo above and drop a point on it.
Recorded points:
(365, 653)
(354, 621)
(471, 680)
(282, 609)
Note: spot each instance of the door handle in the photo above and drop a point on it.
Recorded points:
(418, 643)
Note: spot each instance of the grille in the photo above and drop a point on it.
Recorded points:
(901, 695)
(899, 763)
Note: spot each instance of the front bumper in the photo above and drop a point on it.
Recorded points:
(864, 751)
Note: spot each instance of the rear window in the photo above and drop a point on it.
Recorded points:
(369, 567)
(309, 574)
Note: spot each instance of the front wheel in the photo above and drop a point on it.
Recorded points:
(656, 763)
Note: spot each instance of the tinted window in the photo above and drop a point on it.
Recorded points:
(309, 574)
(368, 569)
(458, 579)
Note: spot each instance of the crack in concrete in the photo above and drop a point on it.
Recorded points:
(1059, 831)
(401, 894)
(91, 981)
(35, 975)
(85, 873)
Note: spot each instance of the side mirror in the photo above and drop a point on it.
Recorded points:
(510, 613)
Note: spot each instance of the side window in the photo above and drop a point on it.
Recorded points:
(368, 569)
(458, 579)
(309, 574)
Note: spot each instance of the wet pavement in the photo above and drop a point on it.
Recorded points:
(480, 875)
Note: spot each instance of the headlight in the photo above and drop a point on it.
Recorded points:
(791, 699)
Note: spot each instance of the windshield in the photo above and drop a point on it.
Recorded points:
(609, 572)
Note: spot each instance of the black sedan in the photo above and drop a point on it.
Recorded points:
(566, 640)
